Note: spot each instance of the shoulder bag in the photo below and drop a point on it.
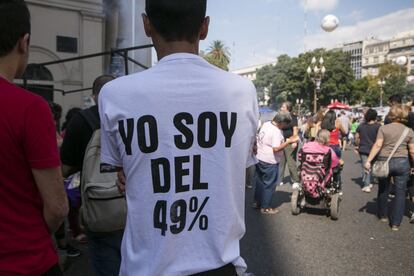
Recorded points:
(381, 169)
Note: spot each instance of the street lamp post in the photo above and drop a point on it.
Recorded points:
(299, 102)
(316, 72)
(381, 84)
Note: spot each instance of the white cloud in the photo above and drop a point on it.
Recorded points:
(355, 15)
(319, 5)
(384, 27)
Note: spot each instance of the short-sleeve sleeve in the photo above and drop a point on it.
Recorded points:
(380, 134)
(110, 153)
(277, 138)
(411, 137)
(40, 141)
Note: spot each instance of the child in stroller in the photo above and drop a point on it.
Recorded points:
(319, 171)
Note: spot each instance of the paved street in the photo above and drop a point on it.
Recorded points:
(312, 244)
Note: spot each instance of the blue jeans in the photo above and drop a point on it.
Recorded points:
(337, 150)
(366, 176)
(105, 251)
(266, 178)
(400, 171)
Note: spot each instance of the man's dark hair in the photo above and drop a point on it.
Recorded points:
(370, 115)
(395, 99)
(14, 23)
(100, 82)
(177, 20)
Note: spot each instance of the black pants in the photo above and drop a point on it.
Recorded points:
(54, 271)
(227, 270)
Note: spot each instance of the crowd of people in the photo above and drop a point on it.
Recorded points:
(153, 162)
(372, 138)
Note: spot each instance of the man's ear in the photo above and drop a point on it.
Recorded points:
(147, 25)
(23, 44)
(204, 28)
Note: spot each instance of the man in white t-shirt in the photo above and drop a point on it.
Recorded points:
(183, 133)
(270, 144)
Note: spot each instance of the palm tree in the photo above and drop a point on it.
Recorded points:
(218, 55)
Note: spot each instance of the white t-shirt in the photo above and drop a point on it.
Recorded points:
(183, 131)
(269, 137)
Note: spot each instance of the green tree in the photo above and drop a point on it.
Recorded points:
(288, 80)
(218, 54)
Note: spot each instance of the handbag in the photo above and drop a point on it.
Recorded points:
(381, 168)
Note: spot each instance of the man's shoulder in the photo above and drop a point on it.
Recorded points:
(23, 96)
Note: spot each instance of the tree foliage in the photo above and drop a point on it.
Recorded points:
(218, 54)
(288, 80)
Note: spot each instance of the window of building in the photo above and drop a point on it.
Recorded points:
(44, 81)
(66, 44)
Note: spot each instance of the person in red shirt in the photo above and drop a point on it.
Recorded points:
(33, 201)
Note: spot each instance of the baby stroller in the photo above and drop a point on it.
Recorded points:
(319, 184)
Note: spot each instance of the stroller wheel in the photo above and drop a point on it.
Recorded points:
(335, 207)
(294, 202)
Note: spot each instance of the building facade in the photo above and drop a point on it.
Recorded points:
(375, 54)
(402, 46)
(250, 73)
(355, 51)
(64, 29)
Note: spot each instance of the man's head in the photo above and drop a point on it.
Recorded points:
(98, 84)
(282, 119)
(175, 21)
(394, 99)
(286, 107)
(14, 34)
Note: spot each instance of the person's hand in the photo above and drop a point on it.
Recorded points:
(412, 171)
(367, 166)
(121, 181)
(294, 145)
(255, 148)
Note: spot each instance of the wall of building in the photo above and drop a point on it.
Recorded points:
(83, 26)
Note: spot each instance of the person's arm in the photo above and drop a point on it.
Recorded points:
(339, 125)
(285, 144)
(374, 152)
(68, 170)
(55, 202)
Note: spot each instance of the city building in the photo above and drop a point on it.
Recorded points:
(63, 29)
(375, 54)
(355, 51)
(250, 73)
(402, 51)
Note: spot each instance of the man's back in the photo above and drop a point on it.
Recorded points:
(26, 246)
(182, 131)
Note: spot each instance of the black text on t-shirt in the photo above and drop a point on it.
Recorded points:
(209, 126)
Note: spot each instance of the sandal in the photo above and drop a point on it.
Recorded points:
(269, 211)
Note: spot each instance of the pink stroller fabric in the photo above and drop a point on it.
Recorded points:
(315, 169)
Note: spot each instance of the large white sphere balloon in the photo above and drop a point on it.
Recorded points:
(330, 23)
(402, 60)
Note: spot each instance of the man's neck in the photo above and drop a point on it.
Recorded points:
(169, 48)
(7, 68)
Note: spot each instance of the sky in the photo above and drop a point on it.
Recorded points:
(257, 31)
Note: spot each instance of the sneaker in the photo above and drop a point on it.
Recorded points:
(249, 186)
(295, 186)
(72, 252)
(371, 186)
(395, 228)
(366, 189)
(269, 211)
(412, 218)
(281, 183)
(384, 220)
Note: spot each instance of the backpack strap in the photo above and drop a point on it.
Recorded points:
(91, 118)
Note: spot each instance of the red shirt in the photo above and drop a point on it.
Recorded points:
(27, 140)
(334, 137)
